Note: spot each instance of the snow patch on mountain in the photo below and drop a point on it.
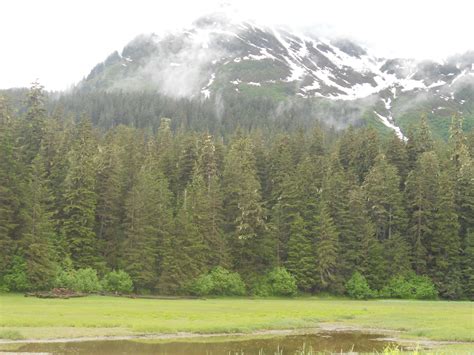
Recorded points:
(205, 90)
(388, 121)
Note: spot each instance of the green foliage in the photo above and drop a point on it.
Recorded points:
(218, 282)
(117, 281)
(281, 282)
(326, 237)
(202, 286)
(16, 278)
(411, 286)
(301, 261)
(80, 198)
(358, 288)
(168, 207)
(81, 280)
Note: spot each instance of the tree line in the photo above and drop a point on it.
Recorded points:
(169, 206)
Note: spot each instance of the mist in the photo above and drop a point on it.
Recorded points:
(70, 38)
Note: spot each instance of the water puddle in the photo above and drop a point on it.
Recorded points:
(325, 342)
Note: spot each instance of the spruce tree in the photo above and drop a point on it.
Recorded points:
(251, 248)
(420, 140)
(397, 155)
(37, 230)
(422, 192)
(33, 123)
(326, 238)
(301, 261)
(463, 170)
(147, 225)
(205, 204)
(9, 187)
(386, 210)
(80, 198)
(336, 190)
(444, 264)
(385, 201)
(110, 189)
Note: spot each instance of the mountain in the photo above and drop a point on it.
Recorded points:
(217, 57)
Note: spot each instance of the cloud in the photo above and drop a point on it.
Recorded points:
(59, 42)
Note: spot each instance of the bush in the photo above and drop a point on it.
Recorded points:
(277, 282)
(117, 281)
(281, 282)
(423, 287)
(411, 286)
(82, 280)
(219, 282)
(16, 278)
(358, 288)
(202, 286)
(261, 287)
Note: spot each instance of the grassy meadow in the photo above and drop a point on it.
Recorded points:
(22, 317)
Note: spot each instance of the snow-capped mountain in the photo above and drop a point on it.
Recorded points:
(217, 55)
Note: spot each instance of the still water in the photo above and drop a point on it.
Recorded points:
(334, 342)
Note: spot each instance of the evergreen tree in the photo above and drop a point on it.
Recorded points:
(463, 165)
(80, 199)
(55, 148)
(147, 225)
(37, 229)
(420, 141)
(110, 189)
(444, 259)
(34, 123)
(205, 204)
(385, 205)
(301, 261)
(365, 251)
(336, 190)
(184, 253)
(326, 237)
(245, 213)
(397, 155)
(422, 191)
(385, 201)
(467, 265)
(9, 187)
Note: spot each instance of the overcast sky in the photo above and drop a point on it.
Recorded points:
(59, 42)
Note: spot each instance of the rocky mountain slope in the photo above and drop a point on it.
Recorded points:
(217, 56)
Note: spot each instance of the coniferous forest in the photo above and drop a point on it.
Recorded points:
(326, 209)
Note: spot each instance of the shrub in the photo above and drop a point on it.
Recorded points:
(358, 288)
(65, 279)
(82, 280)
(86, 280)
(277, 282)
(219, 282)
(202, 286)
(411, 286)
(261, 287)
(227, 283)
(16, 278)
(424, 288)
(281, 282)
(117, 281)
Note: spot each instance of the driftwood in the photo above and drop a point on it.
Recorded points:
(65, 293)
(56, 293)
(150, 297)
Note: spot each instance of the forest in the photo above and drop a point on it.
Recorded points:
(175, 208)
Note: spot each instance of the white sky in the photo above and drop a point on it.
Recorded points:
(59, 42)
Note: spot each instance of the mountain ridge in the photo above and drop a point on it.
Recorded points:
(242, 58)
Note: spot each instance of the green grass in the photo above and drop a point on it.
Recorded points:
(96, 315)
(10, 334)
